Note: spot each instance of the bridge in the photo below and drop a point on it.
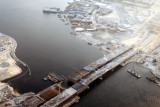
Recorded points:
(97, 69)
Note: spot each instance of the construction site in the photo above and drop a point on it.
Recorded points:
(57, 96)
(122, 32)
(8, 65)
(127, 37)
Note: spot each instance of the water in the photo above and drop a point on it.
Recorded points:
(45, 44)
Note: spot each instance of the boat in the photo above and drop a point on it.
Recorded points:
(134, 73)
(51, 10)
(54, 77)
(45, 79)
(154, 79)
(60, 16)
(66, 23)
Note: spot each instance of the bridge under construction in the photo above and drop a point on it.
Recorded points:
(83, 78)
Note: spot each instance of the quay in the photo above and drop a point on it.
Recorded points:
(91, 72)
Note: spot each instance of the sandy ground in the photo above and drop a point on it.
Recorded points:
(12, 69)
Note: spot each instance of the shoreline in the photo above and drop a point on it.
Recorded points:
(13, 70)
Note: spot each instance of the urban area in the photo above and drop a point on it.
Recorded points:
(125, 31)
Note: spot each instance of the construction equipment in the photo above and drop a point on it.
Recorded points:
(59, 88)
(81, 73)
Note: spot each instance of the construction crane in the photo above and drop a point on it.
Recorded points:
(59, 89)
(81, 73)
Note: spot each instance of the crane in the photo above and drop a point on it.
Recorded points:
(59, 88)
(81, 73)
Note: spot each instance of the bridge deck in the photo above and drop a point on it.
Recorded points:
(70, 94)
(100, 72)
(100, 62)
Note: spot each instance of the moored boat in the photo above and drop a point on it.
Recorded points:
(154, 79)
(51, 10)
(134, 73)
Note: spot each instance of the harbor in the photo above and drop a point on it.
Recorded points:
(95, 79)
(57, 96)
(70, 95)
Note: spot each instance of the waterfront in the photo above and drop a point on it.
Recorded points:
(121, 89)
(45, 44)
